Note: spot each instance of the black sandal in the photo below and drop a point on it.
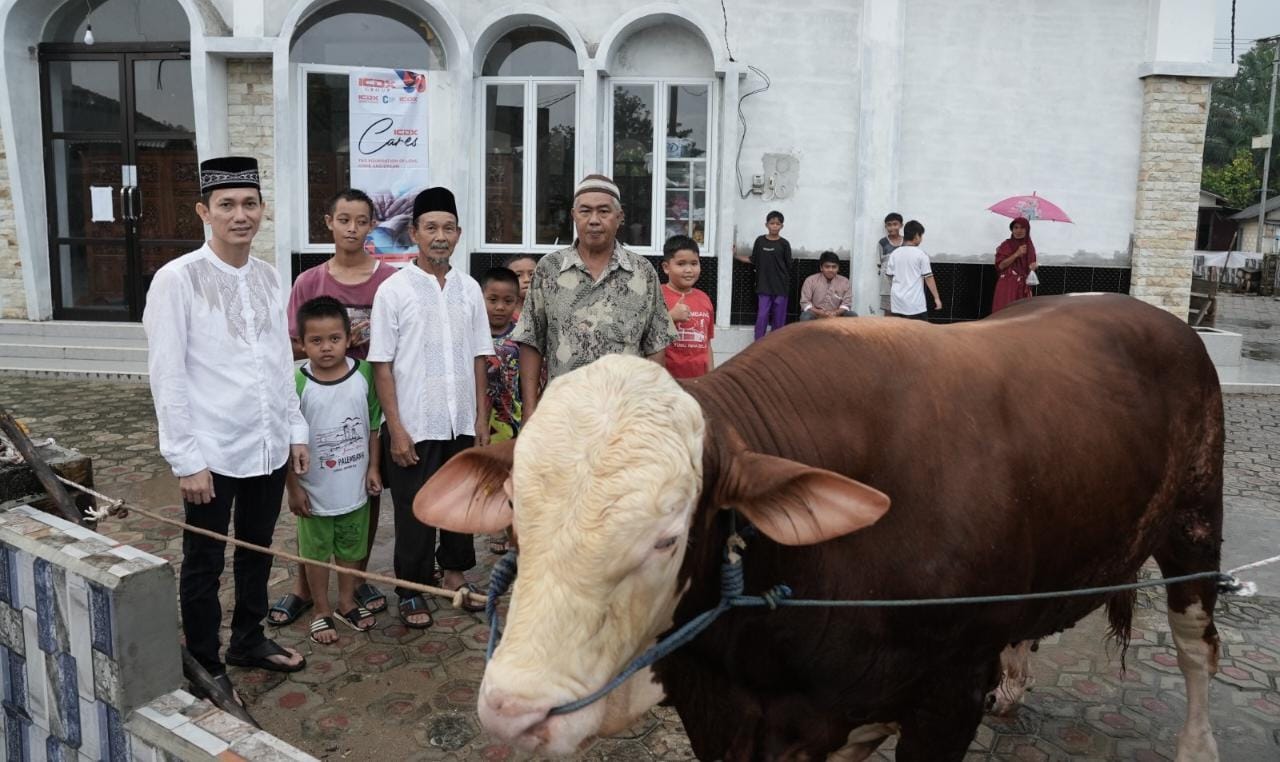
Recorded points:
(291, 606)
(415, 604)
(259, 657)
(467, 605)
(319, 625)
(353, 617)
(371, 598)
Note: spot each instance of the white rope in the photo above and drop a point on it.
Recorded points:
(1256, 564)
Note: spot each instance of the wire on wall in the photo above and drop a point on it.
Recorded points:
(742, 118)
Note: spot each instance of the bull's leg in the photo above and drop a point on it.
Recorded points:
(863, 742)
(947, 714)
(1193, 546)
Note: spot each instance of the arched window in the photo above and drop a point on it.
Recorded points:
(529, 89)
(661, 135)
(327, 46)
(119, 21)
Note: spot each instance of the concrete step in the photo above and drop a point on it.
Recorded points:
(10, 330)
(36, 350)
(74, 368)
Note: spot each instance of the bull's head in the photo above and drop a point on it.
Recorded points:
(605, 481)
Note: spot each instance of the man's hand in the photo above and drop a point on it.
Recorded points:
(360, 333)
(937, 303)
(197, 488)
(299, 503)
(482, 430)
(403, 453)
(299, 458)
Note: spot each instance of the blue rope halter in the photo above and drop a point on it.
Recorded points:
(504, 573)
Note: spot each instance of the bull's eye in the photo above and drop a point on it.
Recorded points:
(664, 543)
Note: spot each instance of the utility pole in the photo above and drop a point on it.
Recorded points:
(1266, 157)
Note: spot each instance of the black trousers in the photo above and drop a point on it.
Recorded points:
(415, 550)
(257, 506)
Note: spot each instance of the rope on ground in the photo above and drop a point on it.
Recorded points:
(116, 507)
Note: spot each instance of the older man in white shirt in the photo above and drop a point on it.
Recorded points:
(429, 335)
(222, 379)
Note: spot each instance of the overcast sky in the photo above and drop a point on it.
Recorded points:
(1254, 19)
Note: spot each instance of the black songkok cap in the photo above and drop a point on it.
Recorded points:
(229, 172)
(435, 199)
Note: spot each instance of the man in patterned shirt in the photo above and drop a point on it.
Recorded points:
(590, 299)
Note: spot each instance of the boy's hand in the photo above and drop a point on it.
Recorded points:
(299, 503)
(373, 482)
(197, 488)
(681, 311)
(482, 429)
(299, 458)
(402, 452)
(937, 304)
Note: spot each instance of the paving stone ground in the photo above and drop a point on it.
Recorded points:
(400, 694)
(1257, 318)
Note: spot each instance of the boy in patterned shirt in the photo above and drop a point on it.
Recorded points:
(501, 289)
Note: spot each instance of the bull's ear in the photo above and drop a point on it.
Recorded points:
(795, 504)
(469, 494)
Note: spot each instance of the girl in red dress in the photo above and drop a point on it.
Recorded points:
(1015, 260)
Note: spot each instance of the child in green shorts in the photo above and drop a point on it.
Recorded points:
(331, 502)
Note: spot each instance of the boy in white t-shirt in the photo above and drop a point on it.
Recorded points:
(331, 501)
(909, 267)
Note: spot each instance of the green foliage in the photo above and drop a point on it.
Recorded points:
(1237, 181)
(1237, 113)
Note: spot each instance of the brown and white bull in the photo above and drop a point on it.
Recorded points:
(1058, 445)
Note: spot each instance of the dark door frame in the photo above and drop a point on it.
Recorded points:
(129, 199)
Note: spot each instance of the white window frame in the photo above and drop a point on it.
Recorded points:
(529, 191)
(662, 86)
(302, 230)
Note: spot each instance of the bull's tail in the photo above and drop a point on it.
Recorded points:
(1120, 619)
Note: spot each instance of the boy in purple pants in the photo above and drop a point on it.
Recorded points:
(771, 256)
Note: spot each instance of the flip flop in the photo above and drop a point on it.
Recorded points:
(259, 658)
(371, 598)
(415, 604)
(352, 618)
(291, 606)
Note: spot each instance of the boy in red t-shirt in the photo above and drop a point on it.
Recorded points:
(690, 309)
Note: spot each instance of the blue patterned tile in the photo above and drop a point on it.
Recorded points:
(53, 751)
(66, 698)
(15, 684)
(100, 614)
(7, 578)
(115, 744)
(15, 737)
(45, 604)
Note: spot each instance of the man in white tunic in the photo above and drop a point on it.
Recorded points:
(429, 337)
(222, 378)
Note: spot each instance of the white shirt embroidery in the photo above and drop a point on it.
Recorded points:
(221, 367)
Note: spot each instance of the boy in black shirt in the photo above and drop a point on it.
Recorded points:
(771, 256)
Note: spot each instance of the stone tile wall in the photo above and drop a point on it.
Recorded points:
(1174, 114)
(251, 132)
(89, 654)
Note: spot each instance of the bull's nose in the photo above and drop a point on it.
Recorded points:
(513, 718)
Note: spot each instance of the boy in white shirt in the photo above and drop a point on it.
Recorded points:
(909, 267)
(331, 500)
(428, 343)
(221, 370)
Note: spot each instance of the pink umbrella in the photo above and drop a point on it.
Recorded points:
(1032, 207)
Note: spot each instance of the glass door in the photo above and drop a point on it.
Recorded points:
(121, 175)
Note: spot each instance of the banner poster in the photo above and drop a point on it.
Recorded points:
(388, 120)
